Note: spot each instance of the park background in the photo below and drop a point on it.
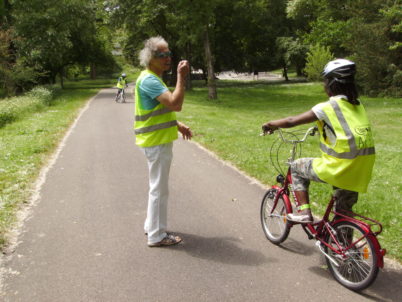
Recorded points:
(55, 55)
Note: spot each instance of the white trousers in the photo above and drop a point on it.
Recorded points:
(159, 161)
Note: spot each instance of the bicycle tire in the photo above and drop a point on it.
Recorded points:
(359, 269)
(276, 227)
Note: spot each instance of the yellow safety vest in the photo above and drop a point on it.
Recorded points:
(156, 126)
(121, 83)
(349, 162)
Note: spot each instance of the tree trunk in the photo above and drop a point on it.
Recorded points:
(93, 71)
(61, 78)
(299, 70)
(188, 80)
(212, 93)
(285, 73)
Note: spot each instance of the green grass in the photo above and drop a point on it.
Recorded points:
(27, 142)
(230, 127)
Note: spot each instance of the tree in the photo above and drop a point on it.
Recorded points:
(291, 52)
(187, 25)
(369, 32)
(317, 57)
(375, 46)
(55, 34)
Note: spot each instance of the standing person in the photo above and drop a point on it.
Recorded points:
(156, 128)
(121, 84)
(346, 142)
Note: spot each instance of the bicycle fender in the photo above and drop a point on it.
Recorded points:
(285, 197)
(378, 250)
(364, 226)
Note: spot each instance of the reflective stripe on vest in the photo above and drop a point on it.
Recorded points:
(155, 126)
(144, 117)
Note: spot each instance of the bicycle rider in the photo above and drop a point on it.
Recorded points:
(121, 84)
(346, 142)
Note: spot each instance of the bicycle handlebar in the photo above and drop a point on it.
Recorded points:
(310, 131)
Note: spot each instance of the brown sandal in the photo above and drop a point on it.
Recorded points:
(170, 239)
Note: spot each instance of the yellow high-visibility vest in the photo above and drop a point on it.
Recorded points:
(156, 126)
(348, 162)
(121, 83)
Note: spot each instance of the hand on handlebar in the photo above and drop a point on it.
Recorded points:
(268, 129)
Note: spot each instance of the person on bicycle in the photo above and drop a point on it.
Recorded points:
(121, 84)
(156, 128)
(346, 142)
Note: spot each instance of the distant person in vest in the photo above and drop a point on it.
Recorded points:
(156, 128)
(346, 142)
(121, 84)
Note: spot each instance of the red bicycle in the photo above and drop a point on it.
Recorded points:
(348, 240)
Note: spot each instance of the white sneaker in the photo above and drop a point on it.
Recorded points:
(300, 218)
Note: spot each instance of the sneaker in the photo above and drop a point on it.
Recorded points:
(300, 217)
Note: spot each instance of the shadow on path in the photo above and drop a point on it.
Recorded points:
(222, 249)
(297, 247)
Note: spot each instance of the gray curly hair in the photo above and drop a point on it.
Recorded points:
(150, 48)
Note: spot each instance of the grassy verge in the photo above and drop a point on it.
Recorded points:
(230, 127)
(27, 140)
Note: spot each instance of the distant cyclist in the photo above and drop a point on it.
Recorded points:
(121, 84)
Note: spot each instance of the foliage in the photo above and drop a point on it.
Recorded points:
(370, 32)
(48, 36)
(292, 53)
(317, 57)
(331, 33)
(242, 34)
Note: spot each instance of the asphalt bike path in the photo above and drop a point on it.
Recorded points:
(83, 239)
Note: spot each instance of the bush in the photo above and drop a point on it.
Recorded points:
(317, 57)
(11, 109)
(42, 94)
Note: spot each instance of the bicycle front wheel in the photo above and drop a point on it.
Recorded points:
(357, 269)
(275, 225)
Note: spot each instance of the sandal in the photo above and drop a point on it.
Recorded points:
(170, 239)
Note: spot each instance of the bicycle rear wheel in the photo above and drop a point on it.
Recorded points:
(358, 269)
(275, 225)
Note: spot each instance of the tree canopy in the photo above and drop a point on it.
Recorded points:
(42, 39)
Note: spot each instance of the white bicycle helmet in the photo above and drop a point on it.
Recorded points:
(340, 70)
(123, 75)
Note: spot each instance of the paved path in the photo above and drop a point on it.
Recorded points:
(84, 239)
